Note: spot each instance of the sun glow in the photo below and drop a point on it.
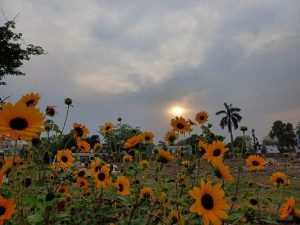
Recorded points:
(177, 111)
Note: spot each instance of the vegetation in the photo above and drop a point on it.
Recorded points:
(230, 120)
(12, 51)
(139, 183)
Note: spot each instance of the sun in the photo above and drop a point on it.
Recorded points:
(177, 111)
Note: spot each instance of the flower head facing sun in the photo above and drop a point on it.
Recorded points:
(180, 124)
(279, 179)
(170, 137)
(203, 147)
(30, 99)
(216, 150)
(209, 203)
(201, 117)
(146, 193)
(20, 122)
(80, 130)
(102, 177)
(83, 146)
(107, 128)
(148, 137)
(96, 167)
(65, 159)
(82, 182)
(123, 185)
(255, 162)
(7, 208)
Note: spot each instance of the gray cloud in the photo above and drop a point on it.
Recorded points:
(136, 60)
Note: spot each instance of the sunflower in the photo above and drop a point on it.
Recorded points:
(127, 158)
(216, 150)
(80, 173)
(209, 203)
(82, 182)
(144, 163)
(7, 208)
(170, 137)
(134, 141)
(165, 156)
(146, 193)
(180, 124)
(80, 130)
(98, 147)
(107, 128)
(123, 185)
(203, 147)
(221, 170)
(148, 137)
(201, 117)
(30, 99)
(255, 162)
(83, 146)
(50, 110)
(185, 163)
(175, 218)
(279, 179)
(61, 189)
(65, 158)
(287, 208)
(102, 177)
(20, 122)
(96, 167)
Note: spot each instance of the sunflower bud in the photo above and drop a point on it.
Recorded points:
(119, 119)
(243, 128)
(68, 101)
(50, 110)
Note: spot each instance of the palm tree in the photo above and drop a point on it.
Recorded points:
(231, 118)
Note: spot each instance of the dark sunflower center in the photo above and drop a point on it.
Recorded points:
(202, 151)
(79, 131)
(180, 126)
(147, 138)
(18, 124)
(107, 128)
(29, 102)
(101, 176)
(172, 139)
(62, 190)
(218, 173)
(202, 117)
(121, 187)
(217, 152)
(279, 180)
(255, 163)
(146, 195)
(174, 220)
(82, 184)
(207, 202)
(64, 159)
(2, 210)
(81, 173)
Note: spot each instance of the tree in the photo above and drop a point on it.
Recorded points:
(245, 142)
(231, 119)
(284, 135)
(12, 53)
(298, 129)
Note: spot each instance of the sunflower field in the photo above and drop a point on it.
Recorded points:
(53, 176)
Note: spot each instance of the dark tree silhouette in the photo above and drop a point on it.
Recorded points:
(231, 119)
(12, 53)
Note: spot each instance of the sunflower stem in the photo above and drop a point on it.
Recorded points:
(62, 131)
(239, 173)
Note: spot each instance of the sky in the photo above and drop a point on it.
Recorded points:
(137, 59)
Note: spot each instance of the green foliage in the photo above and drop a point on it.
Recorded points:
(284, 135)
(12, 53)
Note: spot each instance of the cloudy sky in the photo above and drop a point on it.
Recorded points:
(136, 59)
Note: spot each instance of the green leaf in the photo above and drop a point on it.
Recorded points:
(35, 219)
(269, 220)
